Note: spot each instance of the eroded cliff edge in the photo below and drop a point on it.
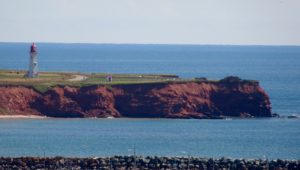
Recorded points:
(193, 99)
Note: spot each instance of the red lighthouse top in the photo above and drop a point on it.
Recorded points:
(33, 48)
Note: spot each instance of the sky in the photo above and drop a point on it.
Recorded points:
(240, 22)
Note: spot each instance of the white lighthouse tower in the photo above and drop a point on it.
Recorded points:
(33, 63)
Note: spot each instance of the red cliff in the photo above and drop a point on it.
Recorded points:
(154, 100)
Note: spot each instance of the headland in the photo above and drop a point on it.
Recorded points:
(77, 95)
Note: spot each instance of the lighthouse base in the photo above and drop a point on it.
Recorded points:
(31, 75)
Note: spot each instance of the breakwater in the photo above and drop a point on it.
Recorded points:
(137, 162)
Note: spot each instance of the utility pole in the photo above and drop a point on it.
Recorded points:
(134, 157)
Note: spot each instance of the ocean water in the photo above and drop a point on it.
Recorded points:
(238, 138)
(276, 67)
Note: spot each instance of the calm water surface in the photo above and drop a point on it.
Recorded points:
(257, 138)
(276, 67)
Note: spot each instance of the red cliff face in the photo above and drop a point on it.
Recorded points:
(17, 100)
(160, 100)
(93, 101)
(184, 100)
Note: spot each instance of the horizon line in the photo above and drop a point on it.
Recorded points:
(123, 43)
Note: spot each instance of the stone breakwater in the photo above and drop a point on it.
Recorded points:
(132, 162)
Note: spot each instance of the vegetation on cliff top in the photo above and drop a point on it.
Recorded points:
(50, 79)
(47, 80)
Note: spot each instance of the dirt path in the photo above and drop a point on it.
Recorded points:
(78, 78)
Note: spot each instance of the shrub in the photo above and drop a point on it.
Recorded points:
(231, 79)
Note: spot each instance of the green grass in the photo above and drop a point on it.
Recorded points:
(41, 87)
(47, 80)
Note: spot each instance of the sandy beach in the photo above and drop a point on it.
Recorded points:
(21, 117)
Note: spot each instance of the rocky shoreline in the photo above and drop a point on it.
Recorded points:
(138, 162)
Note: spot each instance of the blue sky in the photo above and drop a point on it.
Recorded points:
(269, 22)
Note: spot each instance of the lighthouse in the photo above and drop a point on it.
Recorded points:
(33, 63)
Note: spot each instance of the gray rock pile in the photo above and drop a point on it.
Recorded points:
(132, 162)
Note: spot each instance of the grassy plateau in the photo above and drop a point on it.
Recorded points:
(46, 80)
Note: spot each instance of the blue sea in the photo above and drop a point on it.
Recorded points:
(276, 67)
(262, 138)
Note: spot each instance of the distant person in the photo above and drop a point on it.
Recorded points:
(109, 78)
